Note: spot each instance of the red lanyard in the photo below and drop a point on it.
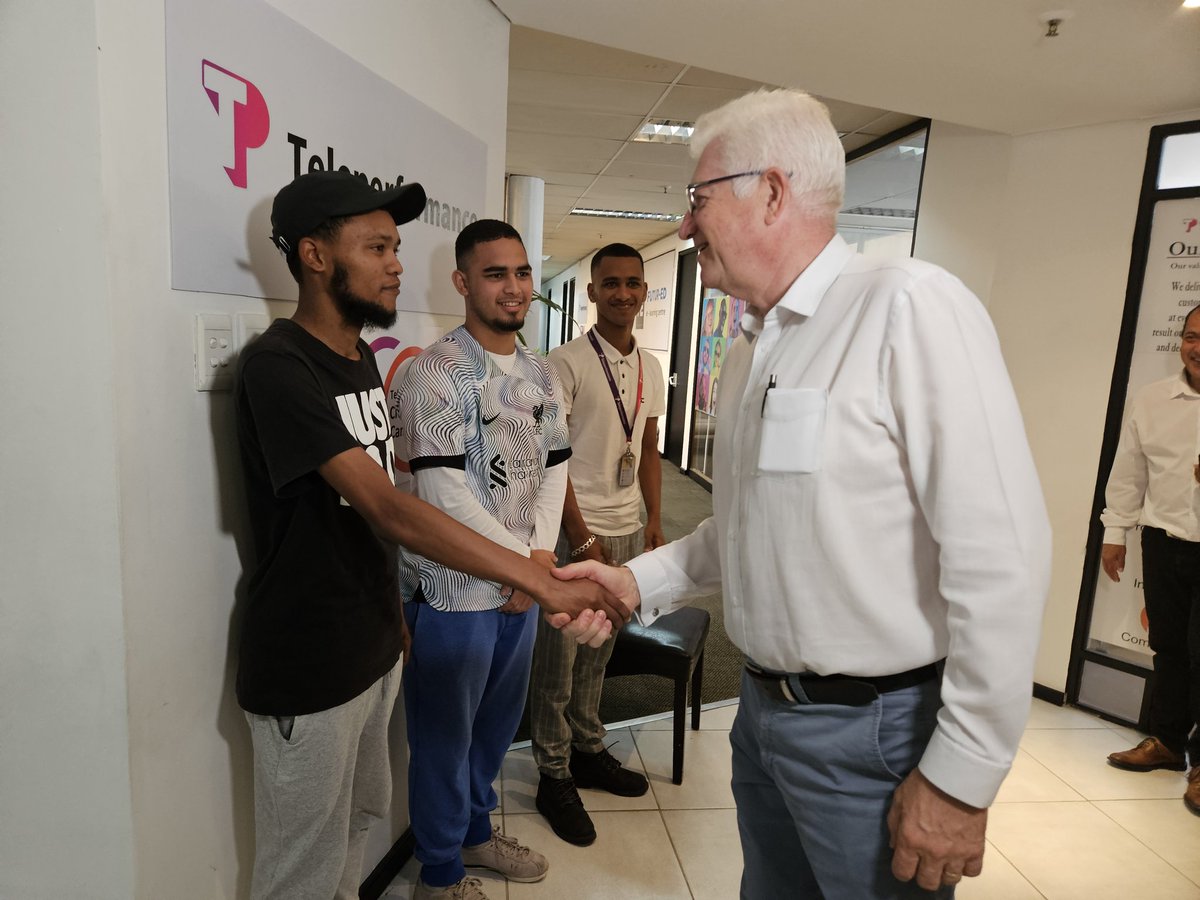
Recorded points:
(612, 385)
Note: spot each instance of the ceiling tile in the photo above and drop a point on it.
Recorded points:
(569, 90)
(707, 78)
(546, 52)
(523, 143)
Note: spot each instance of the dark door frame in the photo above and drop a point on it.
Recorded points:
(679, 380)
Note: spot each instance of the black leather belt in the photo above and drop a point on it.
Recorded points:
(840, 690)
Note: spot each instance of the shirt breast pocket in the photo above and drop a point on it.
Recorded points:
(793, 430)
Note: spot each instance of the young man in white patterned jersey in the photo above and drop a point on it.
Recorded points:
(614, 394)
(483, 428)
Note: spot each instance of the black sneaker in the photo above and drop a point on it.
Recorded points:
(559, 802)
(601, 770)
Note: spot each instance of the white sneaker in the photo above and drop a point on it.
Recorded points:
(505, 855)
(463, 889)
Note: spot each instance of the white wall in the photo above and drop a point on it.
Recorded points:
(120, 573)
(963, 202)
(65, 816)
(1041, 227)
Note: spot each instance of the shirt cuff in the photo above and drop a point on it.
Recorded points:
(654, 586)
(1115, 535)
(964, 776)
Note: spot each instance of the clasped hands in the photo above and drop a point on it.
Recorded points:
(589, 599)
(593, 627)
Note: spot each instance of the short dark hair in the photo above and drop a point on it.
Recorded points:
(326, 231)
(481, 231)
(621, 251)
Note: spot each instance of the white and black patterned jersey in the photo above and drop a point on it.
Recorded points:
(459, 410)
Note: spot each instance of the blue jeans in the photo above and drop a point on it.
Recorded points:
(813, 784)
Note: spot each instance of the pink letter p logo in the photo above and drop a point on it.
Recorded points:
(242, 111)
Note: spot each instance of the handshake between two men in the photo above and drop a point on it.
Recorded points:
(611, 591)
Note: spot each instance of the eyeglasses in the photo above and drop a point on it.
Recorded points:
(691, 188)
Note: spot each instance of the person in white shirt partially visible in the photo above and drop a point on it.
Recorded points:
(1155, 483)
(879, 531)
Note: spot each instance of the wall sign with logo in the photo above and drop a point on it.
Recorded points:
(253, 100)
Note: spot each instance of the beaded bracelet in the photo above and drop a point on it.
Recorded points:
(582, 547)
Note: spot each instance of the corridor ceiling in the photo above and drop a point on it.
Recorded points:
(583, 77)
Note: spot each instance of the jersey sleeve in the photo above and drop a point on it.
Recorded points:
(433, 423)
(558, 438)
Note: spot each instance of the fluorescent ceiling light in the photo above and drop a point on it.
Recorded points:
(881, 211)
(665, 131)
(1191, 4)
(626, 214)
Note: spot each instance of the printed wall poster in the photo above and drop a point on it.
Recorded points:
(720, 324)
(652, 329)
(1170, 289)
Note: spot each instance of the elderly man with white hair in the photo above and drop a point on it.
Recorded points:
(879, 531)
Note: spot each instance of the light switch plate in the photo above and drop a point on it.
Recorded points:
(214, 352)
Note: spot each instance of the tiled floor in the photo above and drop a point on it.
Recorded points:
(1066, 826)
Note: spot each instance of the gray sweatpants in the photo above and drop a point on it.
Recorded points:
(316, 793)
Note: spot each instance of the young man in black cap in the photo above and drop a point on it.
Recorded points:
(323, 630)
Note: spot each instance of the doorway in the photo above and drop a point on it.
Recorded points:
(679, 382)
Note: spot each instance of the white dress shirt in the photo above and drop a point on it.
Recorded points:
(1152, 481)
(878, 509)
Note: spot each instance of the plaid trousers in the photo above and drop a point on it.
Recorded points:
(566, 680)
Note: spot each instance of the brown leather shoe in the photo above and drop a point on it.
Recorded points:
(1191, 797)
(1149, 754)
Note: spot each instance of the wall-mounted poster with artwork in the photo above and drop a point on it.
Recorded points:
(720, 324)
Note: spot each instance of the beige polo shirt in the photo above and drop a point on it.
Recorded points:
(597, 438)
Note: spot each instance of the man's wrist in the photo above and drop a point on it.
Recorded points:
(583, 547)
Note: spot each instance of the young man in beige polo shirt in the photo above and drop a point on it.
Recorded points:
(614, 394)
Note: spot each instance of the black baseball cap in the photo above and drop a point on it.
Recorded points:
(300, 208)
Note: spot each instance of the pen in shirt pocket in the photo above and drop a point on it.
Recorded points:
(770, 385)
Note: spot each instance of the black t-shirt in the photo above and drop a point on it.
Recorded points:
(322, 619)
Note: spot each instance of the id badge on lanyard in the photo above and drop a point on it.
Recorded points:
(627, 464)
(625, 468)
